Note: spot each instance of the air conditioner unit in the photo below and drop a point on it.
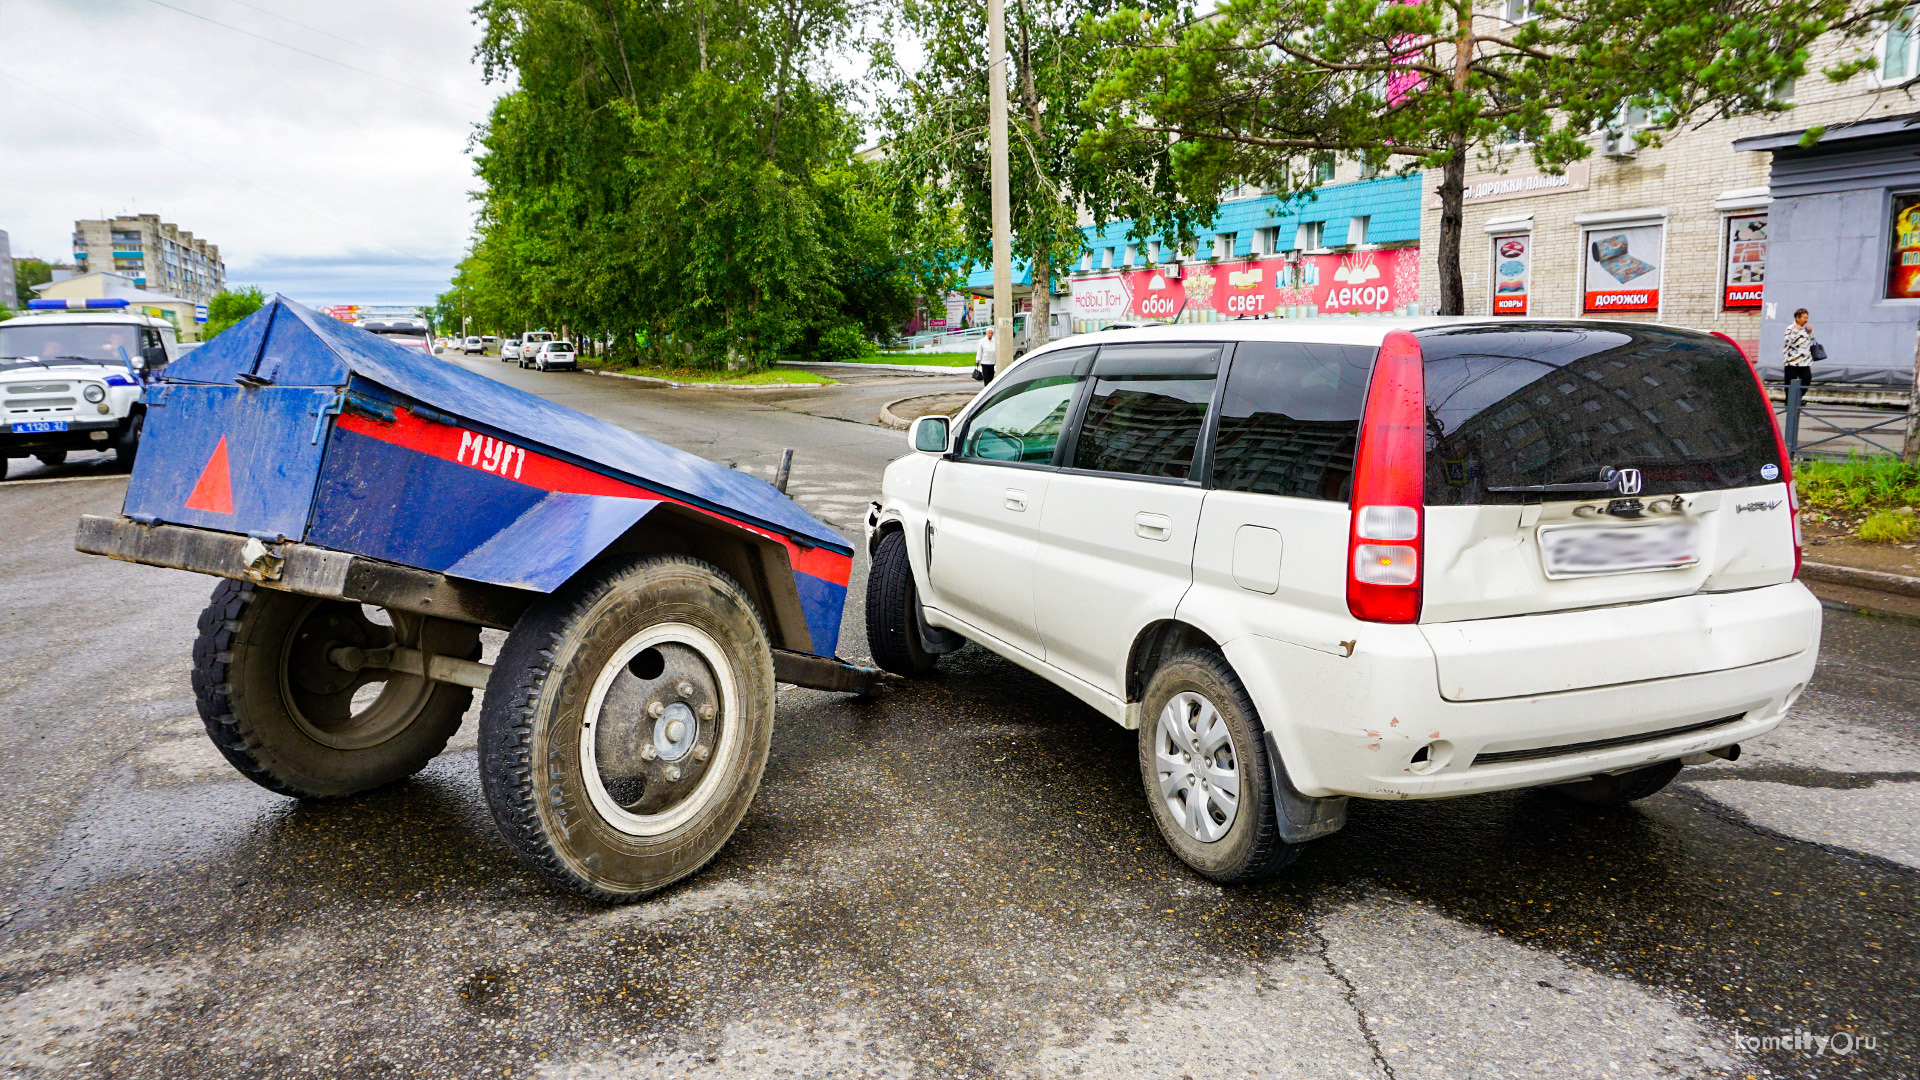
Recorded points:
(1619, 144)
(1171, 270)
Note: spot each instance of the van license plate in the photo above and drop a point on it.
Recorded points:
(1583, 550)
(34, 427)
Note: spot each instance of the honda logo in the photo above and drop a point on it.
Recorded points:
(1629, 481)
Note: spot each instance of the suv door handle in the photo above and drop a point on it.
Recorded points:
(1152, 526)
(1016, 501)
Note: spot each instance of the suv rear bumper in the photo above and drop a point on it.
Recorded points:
(1353, 725)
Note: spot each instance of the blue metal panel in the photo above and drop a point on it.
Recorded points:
(821, 602)
(271, 457)
(392, 503)
(557, 536)
(1392, 202)
(295, 346)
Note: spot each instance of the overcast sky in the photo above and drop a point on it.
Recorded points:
(325, 183)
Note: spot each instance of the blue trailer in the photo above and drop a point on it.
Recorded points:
(370, 509)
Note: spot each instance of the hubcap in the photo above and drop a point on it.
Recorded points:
(323, 672)
(1198, 769)
(654, 729)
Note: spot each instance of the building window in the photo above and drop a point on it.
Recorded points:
(1357, 230)
(1903, 270)
(1307, 236)
(1898, 61)
(1512, 273)
(1131, 253)
(1623, 268)
(1224, 244)
(1323, 168)
(1086, 261)
(1518, 11)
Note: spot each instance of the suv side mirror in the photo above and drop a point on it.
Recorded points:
(929, 434)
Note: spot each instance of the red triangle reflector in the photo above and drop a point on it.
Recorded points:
(213, 492)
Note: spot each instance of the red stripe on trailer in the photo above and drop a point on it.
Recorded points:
(514, 462)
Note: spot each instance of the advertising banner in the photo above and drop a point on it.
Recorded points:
(1623, 268)
(1357, 283)
(1903, 273)
(1746, 261)
(1512, 273)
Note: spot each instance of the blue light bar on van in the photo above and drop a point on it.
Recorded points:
(77, 305)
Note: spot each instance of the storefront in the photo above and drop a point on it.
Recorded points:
(1841, 239)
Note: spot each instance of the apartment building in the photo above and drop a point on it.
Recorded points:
(1689, 232)
(157, 255)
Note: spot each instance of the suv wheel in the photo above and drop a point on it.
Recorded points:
(1621, 789)
(893, 610)
(1203, 761)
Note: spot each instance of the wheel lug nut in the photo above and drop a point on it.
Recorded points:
(648, 753)
(706, 712)
(655, 708)
(685, 689)
(673, 772)
(701, 753)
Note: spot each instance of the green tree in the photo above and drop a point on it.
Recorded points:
(229, 306)
(1255, 93)
(937, 135)
(26, 274)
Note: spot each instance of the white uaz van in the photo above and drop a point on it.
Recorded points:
(1313, 560)
(71, 380)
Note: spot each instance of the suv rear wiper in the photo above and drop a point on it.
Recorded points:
(1609, 481)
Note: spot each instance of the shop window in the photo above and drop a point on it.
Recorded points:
(1745, 273)
(1897, 46)
(1903, 270)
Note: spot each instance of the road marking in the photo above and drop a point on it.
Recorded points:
(61, 480)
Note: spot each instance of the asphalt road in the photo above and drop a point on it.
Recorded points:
(956, 879)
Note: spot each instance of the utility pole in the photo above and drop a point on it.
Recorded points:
(997, 162)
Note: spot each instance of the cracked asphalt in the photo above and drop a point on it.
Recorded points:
(957, 878)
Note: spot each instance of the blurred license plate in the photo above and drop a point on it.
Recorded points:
(31, 427)
(1580, 550)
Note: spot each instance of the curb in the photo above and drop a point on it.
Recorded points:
(1877, 580)
(667, 384)
(911, 369)
(1869, 612)
(892, 421)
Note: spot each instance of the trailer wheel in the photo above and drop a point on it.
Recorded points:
(625, 736)
(290, 698)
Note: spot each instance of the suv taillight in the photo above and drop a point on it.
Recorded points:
(1780, 445)
(1389, 486)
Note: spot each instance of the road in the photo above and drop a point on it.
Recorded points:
(956, 879)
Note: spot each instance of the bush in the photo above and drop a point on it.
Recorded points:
(1857, 484)
(842, 342)
(1886, 527)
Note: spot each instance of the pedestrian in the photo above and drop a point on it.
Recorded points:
(1797, 350)
(984, 356)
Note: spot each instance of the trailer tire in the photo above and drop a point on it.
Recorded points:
(292, 725)
(893, 630)
(625, 737)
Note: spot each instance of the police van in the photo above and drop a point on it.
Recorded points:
(71, 373)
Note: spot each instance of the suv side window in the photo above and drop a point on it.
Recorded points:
(152, 349)
(1290, 419)
(1146, 409)
(1022, 422)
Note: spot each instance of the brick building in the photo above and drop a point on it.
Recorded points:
(1677, 233)
(157, 255)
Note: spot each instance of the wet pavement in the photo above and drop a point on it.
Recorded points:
(956, 879)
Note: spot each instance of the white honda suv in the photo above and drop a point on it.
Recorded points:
(1314, 560)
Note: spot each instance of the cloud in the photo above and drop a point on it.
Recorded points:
(329, 184)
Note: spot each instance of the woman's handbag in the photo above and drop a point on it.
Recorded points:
(1816, 351)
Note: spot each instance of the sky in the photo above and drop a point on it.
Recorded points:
(329, 162)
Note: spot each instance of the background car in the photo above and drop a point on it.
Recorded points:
(473, 345)
(510, 349)
(556, 354)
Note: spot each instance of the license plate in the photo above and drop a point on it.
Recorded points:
(1583, 550)
(34, 427)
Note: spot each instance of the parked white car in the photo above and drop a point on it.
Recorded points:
(1314, 560)
(549, 355)
(473, 345)
(510, 349)
(72, 381)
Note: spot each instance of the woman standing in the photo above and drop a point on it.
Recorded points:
(1796, 350)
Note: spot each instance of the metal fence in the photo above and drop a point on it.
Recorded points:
(1836, 429)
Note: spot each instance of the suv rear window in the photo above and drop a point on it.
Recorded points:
(1512, 407)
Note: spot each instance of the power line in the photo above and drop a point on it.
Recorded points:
(315, 55)
(217, 171)
(325, 33)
